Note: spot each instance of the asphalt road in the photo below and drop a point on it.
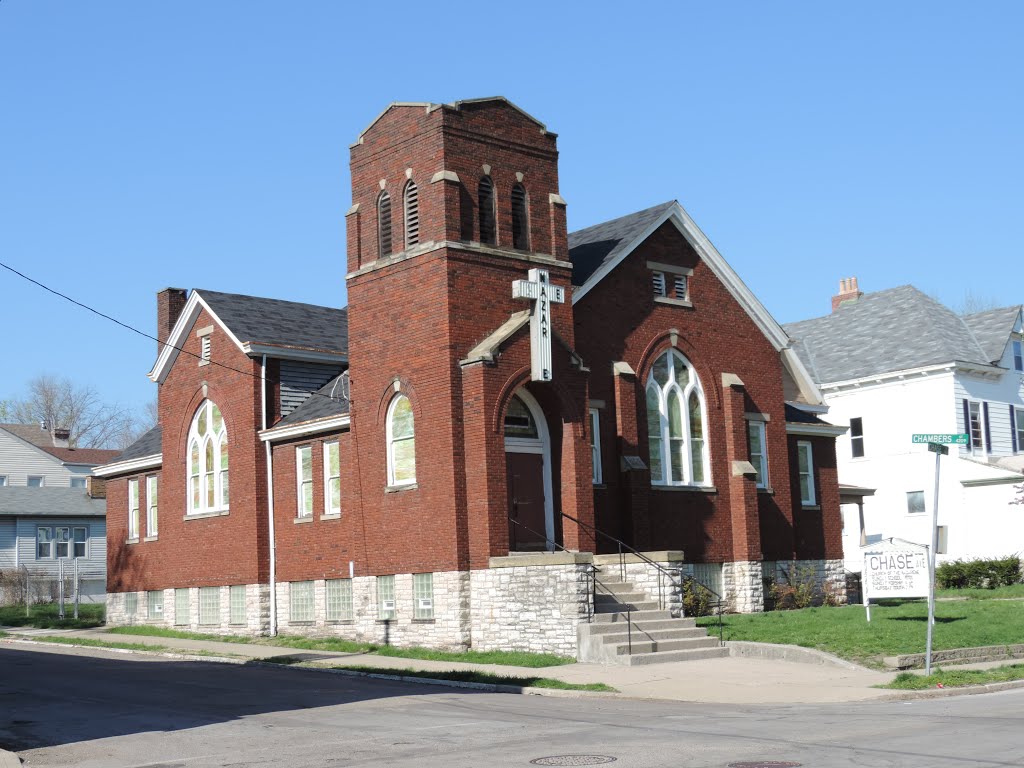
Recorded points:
(62, 707)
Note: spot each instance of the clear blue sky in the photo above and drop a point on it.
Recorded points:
(205, 144)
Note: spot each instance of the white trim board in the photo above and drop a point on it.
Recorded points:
(131, 465)
(305, 428)
(169, 353)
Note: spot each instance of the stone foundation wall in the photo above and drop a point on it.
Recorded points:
(824, 572)
(531, 603)
(743, 589)
(257, 611)
(448, 629)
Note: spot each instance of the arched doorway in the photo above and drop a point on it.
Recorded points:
(528, 474)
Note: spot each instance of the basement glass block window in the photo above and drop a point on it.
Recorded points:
(339, 600)
(181, 608)
(423, 595)
(155, 605)
(386, 598)
(300, 601)
(131, 603)
(710, 575)
(209, 605)
(236, 604)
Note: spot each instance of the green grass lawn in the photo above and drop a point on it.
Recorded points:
(504, 658)
(91, 643)
(895, 628)
(999, 593)
(955, 678)
(44, 616)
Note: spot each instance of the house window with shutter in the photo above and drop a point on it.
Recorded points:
(384, 225)
(485, 202)
(1018, 355)
(412, 214)
(520, 219)
(975, 425)
(1017, 428)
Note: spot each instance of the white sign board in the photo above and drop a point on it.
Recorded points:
(543, 294)
(894, 573)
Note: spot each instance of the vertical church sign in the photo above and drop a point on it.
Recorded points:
(538, 289)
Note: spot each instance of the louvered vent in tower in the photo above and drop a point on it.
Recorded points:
(658, 283)
(384, 224)
(412, 215)
(520, 219)
(485, 197)
(679, 285)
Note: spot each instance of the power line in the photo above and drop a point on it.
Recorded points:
(133, 329)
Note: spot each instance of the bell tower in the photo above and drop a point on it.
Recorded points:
(453, 205)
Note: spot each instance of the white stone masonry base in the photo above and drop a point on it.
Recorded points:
(256, 622)
(743, 587)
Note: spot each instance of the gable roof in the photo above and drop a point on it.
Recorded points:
(992, 329)
(41, 439)
(891, 330)
(327, 402)
(258, 325)
(49, 502)
(593, 247)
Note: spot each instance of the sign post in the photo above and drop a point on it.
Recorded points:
(939, 445)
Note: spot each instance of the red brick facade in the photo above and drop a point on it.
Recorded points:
(414, 316)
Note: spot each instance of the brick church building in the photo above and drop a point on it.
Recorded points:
(502, 402)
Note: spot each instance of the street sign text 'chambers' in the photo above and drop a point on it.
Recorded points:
(953, 438)
(895, 573)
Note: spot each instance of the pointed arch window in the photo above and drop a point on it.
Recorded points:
(207, 461)
(520, 219)
(675, 423)
(412, 214)
(401, 441)
(384, 224)
(485, 202)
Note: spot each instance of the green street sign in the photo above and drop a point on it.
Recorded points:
(936, 448)
(943, 439)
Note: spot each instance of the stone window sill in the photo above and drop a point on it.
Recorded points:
(811, 507)
(332, 516)
(132, 541)
(767, 491)
(385, 621)
(686, 488)
(424, 621)
(339, 622)
(673, 302)
(298, 520)
(151, 538)
(301, 623)
(399, 488)
(203, 515)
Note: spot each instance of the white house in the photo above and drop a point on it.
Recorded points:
(35, 456)
(897, 362)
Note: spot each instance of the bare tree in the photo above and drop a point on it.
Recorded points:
(60, 404)
(975, 302)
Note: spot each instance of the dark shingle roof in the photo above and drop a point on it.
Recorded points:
(43, 440)
(890, 330)
(280, 323)
(50, 502)
(328, 401)
(593, 247)
(992, 329)
(147, 445)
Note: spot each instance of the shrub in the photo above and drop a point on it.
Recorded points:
(697, 598)
(798, 589)
(979, 573)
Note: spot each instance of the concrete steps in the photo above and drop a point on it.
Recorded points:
(629, 628)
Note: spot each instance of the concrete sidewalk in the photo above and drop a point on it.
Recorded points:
(726, 680)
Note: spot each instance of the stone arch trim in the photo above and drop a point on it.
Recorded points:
(389, 393)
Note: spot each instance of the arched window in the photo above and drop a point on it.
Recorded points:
(485, 200)
(412, 214)
(675, 423)
(520, 219)
(401, 439)
(207, 461)
(384, 224)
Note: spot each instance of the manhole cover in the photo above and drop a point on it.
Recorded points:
(765, 764)
(573, 760)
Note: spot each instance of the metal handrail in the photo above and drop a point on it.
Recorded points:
(718, 601)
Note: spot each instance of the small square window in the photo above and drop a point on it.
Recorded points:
(155, 605)
(300, 601)
(35, 481)
(78, 482)
(423, 595)
(386, 598)
(915, 502)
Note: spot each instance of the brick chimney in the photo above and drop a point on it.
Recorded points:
(848, 293)
(96, 487)
(61, 437)
(169, 303)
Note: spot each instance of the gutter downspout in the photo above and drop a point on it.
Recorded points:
(270, 507)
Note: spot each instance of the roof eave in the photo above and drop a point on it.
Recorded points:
(311, 427)
(152, 461)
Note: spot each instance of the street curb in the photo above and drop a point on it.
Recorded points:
(963, 690)
(253, 662)
(9, 759)
(793, 653)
